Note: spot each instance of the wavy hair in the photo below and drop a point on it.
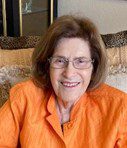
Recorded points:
(69, 26)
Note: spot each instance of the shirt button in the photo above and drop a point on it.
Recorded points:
(69, 125)
(65, 128)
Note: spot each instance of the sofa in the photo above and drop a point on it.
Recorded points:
(16, 52)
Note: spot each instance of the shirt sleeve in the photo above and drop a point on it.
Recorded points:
(122, 134)
(11, 117)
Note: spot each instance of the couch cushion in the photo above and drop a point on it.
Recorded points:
(4, 92)
(117, 56)
(15, 66)
(118, 80)
(19, 42)
(117, 70)
(9, 76)
(115, 39)
(16, 57)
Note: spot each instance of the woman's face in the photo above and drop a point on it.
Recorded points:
(70, 83)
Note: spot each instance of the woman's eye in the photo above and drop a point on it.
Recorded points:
(59, 60)
(81, 61)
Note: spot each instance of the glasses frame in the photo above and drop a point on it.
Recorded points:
(68, 61)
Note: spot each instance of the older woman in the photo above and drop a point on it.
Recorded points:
(66, 104)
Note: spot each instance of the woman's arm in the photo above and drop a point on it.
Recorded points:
(11, 118)
(122, 132)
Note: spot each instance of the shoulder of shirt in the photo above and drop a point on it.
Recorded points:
(28, 90)
(27, 85)
(107, 90)
(108, 93)
(28, 97)
(109, 100)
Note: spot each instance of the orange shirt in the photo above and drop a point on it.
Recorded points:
(97, 120)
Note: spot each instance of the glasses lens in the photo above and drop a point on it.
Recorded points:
(82, 63)
(58, 62)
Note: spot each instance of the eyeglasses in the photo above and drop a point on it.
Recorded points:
(78, 63)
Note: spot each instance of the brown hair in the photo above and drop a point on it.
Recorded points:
(69, 27)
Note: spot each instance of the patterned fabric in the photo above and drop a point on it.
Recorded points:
(117, 59)
(117, 70)
(111, 40)
(19, 42)
(9, 76)
(112, 70)
(16, 57)
(118, 80)
(115, 40)
(15, 66)
(4, 92)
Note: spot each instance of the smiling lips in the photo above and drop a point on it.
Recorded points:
(70, 84)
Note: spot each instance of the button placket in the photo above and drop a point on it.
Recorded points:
(67, 126)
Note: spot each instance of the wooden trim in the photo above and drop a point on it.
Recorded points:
(53, 10)
(20, 17)
(4, 17)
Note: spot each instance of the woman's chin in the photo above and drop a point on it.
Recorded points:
(69, 98)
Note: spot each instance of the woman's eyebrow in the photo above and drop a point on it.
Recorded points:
(82, 57)
(59, 56)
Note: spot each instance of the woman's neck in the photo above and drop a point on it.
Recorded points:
(63, 110)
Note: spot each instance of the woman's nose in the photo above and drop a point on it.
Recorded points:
(69, 70)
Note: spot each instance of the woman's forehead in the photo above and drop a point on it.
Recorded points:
(72, 47)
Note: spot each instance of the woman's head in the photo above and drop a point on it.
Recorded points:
(69, 27)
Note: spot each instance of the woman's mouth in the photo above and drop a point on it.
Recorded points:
(70, 84)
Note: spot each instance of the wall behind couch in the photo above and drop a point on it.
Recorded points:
(110, 16)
